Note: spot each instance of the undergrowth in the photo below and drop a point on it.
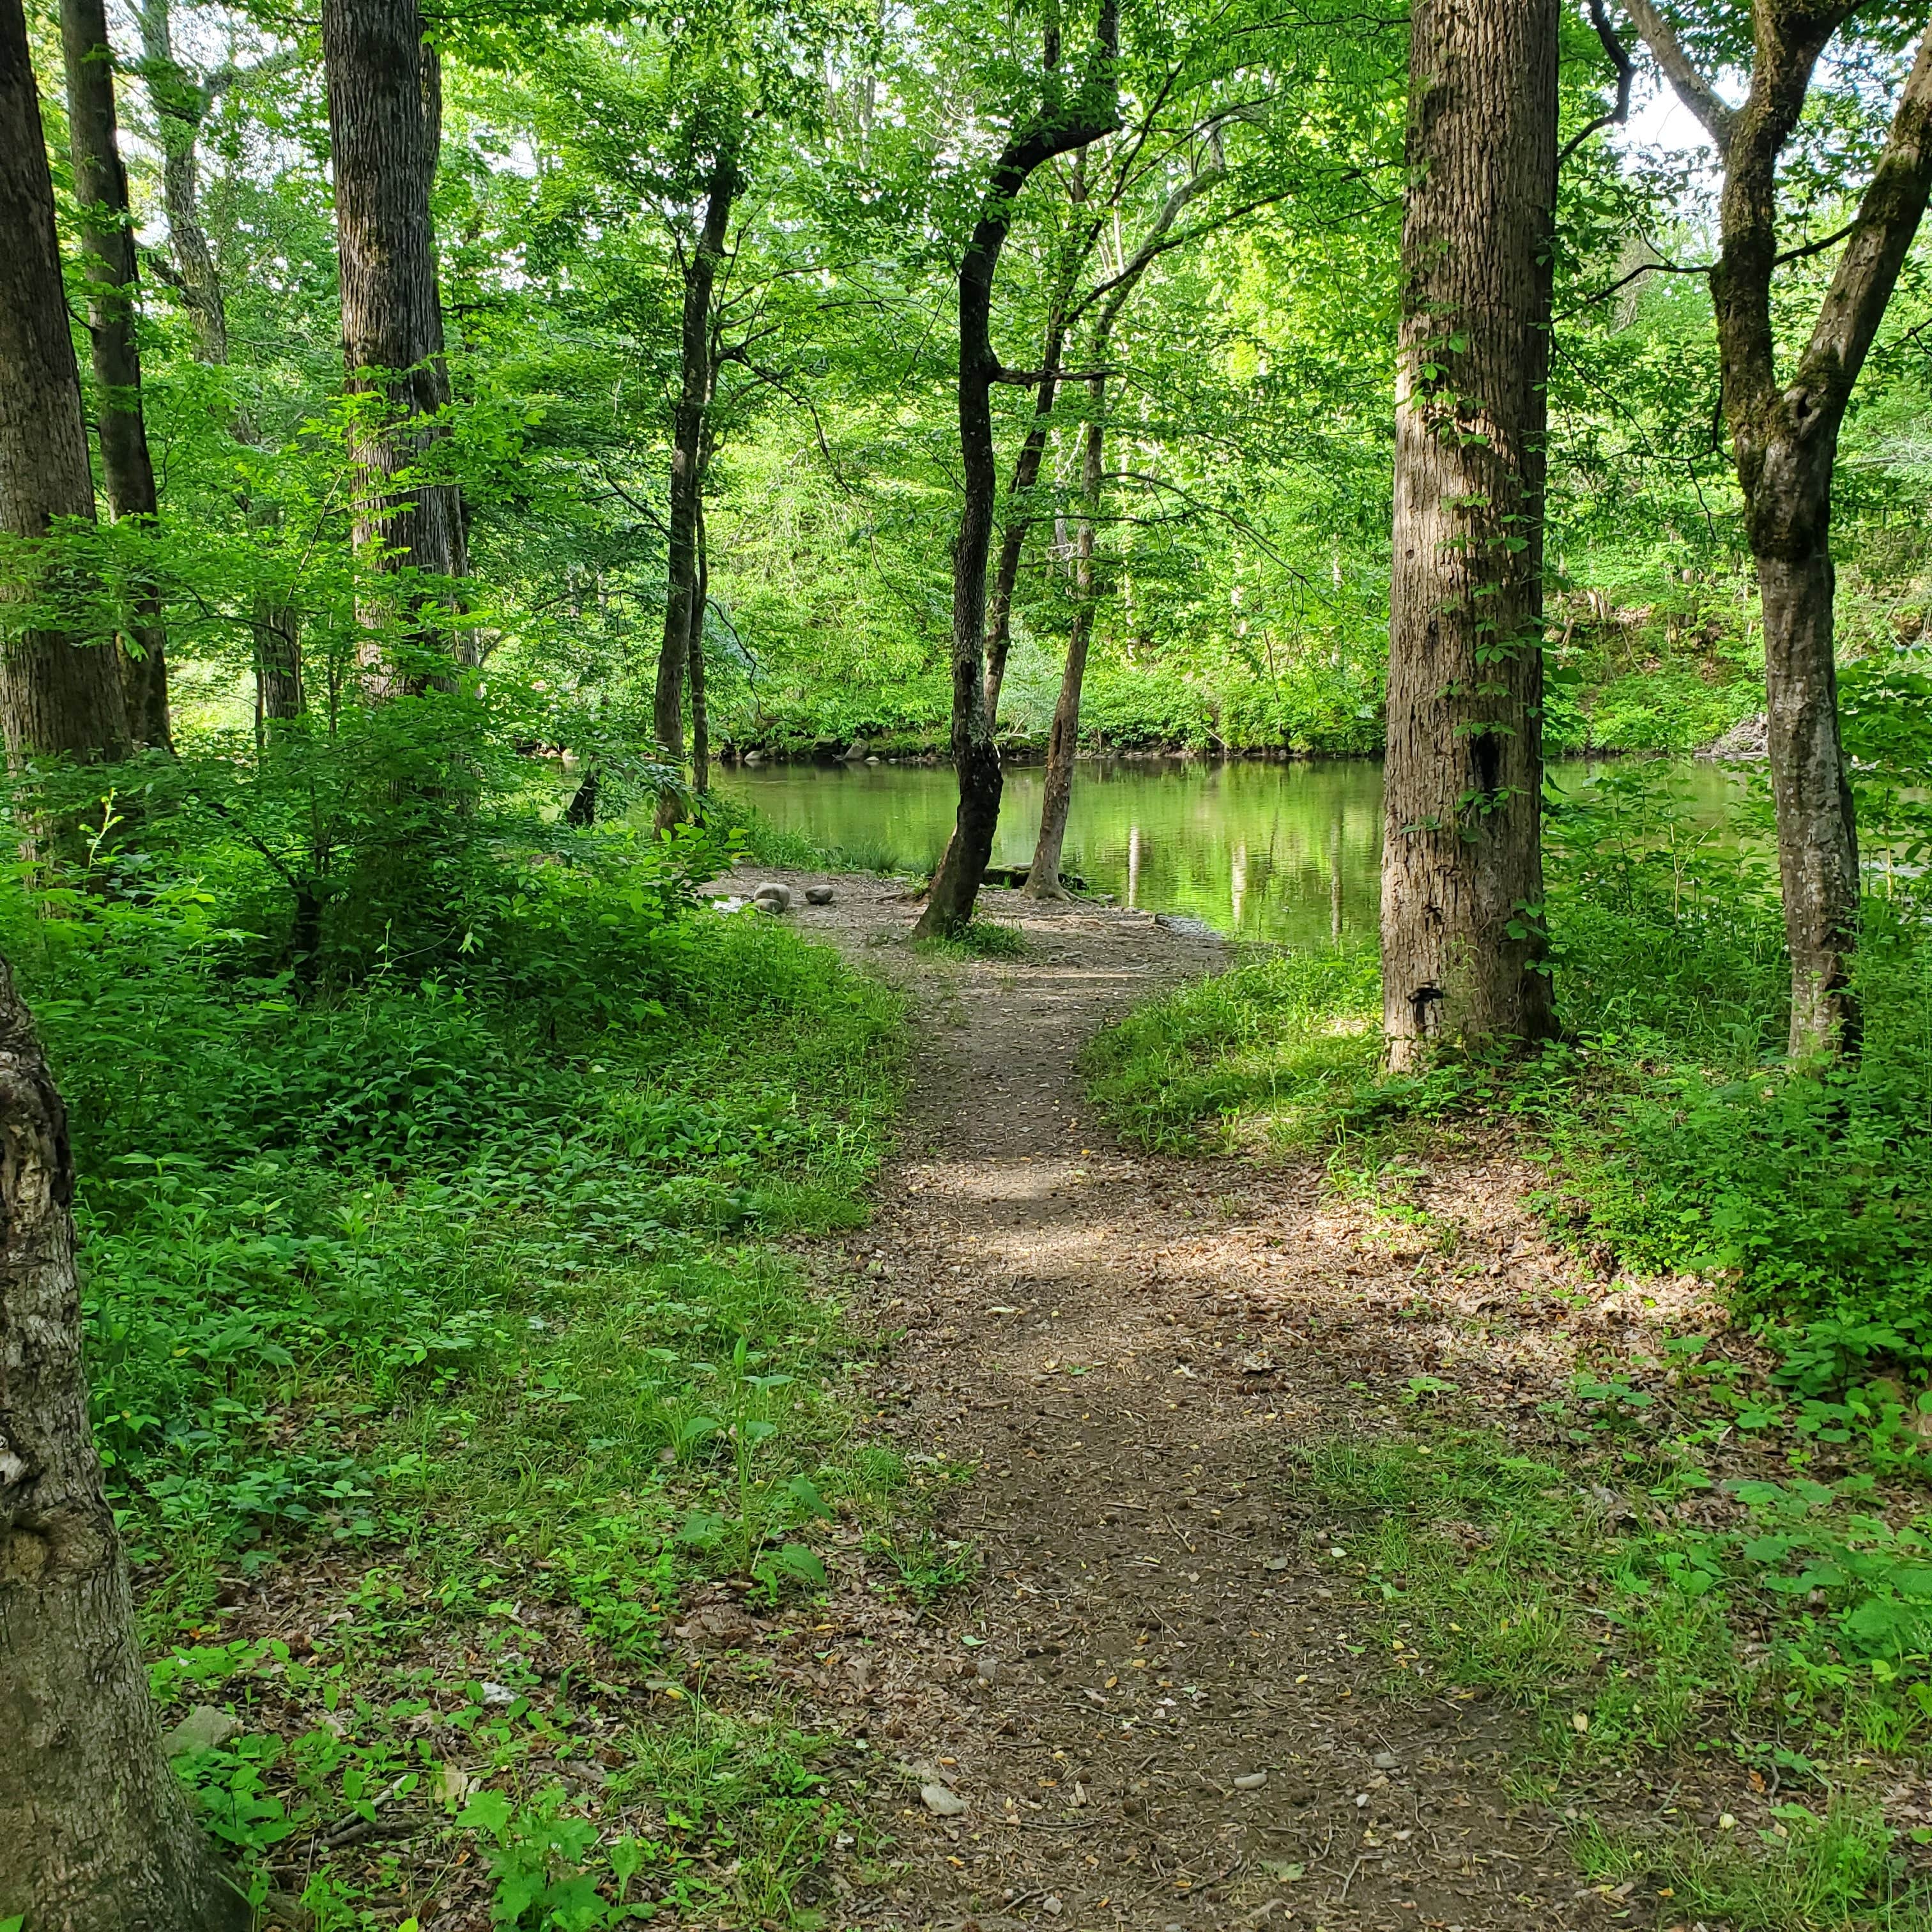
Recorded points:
(1645, 1617)
(440, 1340)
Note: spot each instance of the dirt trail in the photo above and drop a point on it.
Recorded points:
(1161, 1706)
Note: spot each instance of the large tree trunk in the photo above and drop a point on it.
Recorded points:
(107, 243)
(1081, 119)
(1818, 840)
(687, 471)
(1062, 739)
(382, 138)
(95, 1834)
(1462, 959)
(55, 696)
(278, 664)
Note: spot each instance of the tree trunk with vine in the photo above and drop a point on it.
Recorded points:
(1463, 957)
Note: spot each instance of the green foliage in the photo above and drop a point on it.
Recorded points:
(1832, 1865)
(931, 1566)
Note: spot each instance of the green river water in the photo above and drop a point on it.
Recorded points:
(1286, 852)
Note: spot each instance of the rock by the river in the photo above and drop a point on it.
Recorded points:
(818, 894)
(771, 897)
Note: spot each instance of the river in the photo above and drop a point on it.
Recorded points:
(1260, 851)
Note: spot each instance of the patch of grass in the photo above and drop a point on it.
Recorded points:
(931, 1566)
(1283, 1054)
(1792, 1630)
(979, 939)
(1834, 1869)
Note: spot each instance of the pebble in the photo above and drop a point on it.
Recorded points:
(1252, 1780)
(941, 1802)
(1384, 1760)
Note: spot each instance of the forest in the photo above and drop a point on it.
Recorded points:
(965, 966)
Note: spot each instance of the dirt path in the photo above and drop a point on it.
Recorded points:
(1161, 1705)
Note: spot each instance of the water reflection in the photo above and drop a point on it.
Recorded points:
(1265, 851)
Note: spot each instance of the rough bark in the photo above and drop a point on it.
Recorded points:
(1462, 863)
(278, 664)
(1784, 438)
(95, 1834)
(383, 139)
(107, 250)
(55, 695)
(1066, 123)
(687, 481)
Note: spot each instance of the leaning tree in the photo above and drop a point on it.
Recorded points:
(1070, 112)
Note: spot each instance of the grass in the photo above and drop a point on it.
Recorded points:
(766, 843)
(1835, 1864)
(979, 939)
(930, 1566)
(438, 1347)
(1634, 1639)
(1276, 1053)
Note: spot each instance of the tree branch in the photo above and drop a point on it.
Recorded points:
(1690, 87)
(1626, 74)
(1889, 213)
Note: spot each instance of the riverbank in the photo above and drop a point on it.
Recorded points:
(1622, 690)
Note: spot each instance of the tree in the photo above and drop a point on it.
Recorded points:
(56, 695)
(181, 100)
(384, 116)
(95, 1834)
(1784, 439)
(107, 242)
(1062, 742)
(1065, 120)
(1462, 961)
(684, 611)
